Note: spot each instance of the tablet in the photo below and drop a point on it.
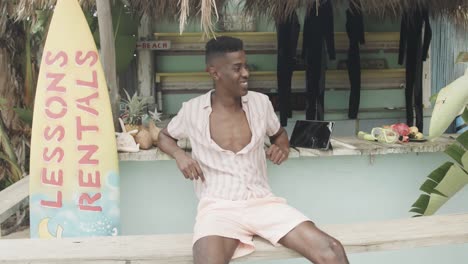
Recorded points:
(312, 134)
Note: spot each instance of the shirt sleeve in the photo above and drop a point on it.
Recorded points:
(177, 128)
(272, 122)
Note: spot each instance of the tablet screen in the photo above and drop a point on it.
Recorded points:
(312, 134)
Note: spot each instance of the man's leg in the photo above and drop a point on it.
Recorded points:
(214, 250)
(314, 244)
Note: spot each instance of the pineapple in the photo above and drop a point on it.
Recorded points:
(153, 129)
(134, 111)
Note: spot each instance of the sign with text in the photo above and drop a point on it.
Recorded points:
(154, 45)
(74, 174)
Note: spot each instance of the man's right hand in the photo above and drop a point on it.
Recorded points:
(188, 166)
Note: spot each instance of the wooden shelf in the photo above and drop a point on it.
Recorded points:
(265, 42)
(265, 81)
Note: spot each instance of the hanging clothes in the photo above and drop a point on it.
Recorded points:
(287, 38)
(355, 31)
(414, 47)
(318, 29)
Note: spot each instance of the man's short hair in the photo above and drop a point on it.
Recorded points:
(220, 46)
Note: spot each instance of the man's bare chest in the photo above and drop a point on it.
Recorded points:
(230, 132)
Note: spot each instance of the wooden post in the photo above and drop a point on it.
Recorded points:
(106, 35)
(145, 59)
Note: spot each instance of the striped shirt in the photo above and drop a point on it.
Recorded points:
(228, 175)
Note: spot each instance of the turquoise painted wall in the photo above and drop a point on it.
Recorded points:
(334, 100)
(156, 199)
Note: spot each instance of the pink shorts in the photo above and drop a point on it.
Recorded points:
(269, 217)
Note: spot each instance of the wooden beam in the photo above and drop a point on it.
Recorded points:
(265, 81)
(107, 41)
(176, 248)
(145, 60)
(13, 197)
(194, 43)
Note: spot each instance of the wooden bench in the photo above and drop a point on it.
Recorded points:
(265, 81)
(13, 198)
(176, 248)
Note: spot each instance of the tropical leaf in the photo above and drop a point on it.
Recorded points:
(43, 17)
(465, 115)
(428, 186)
(26, 115)
(134, 108)
(464, 161)
(454, 180)
(438, 174)
(445, 181)
(15, 172)
(421, 203)
(29, 88)
(455, 152)
(442, 184)
(417, 210)
(5, 142)
(435, 202)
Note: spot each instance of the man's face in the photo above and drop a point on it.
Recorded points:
(230, 73)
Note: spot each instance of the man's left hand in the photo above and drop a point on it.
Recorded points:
(276, 154)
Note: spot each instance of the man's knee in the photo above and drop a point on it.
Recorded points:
(214, 250)
(206, 258)
(332, 252)
(201, 256)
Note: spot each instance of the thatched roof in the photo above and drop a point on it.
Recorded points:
(279, 9)
(26, 9)
(208, 10)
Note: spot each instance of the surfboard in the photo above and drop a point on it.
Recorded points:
(74, 174)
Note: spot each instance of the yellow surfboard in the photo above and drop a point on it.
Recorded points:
(74, 175)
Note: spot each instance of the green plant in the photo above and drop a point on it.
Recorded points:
(134, 109)
(35, 30)
(445, 181)
(9, 168)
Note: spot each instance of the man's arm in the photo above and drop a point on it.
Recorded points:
(188, 166)
(279, 149)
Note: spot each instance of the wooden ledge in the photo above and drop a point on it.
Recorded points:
(266, 42)
(177, 248)
(265, 81)
(342, 146)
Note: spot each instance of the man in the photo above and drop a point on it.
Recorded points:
(226, 128)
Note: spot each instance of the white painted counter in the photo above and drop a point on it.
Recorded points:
(342, 146)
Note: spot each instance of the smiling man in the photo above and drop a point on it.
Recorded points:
(226, 128)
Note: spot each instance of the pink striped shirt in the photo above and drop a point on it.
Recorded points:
(229, 175)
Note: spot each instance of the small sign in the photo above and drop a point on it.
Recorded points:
(154, 45)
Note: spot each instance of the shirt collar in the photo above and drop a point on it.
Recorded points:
(207, 99)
